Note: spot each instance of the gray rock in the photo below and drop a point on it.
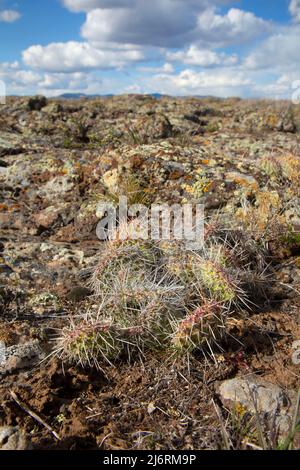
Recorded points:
(36, 103)
(258, 396)
(58, 186)
(20, 357)
(78, 293)
(12, 438)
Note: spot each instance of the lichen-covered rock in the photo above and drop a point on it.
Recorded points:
(20, 357)
(258, 396)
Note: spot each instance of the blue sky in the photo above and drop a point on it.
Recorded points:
(245, 48)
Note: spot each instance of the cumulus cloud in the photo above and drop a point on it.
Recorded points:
(224, 82)
(74, 56)
(18, 80)
(201, 57)
(281, 88)
(88, 5)
(295, 10)
(190, 34)
(121, 32)
(155, 23)
(9, 16)
(21, 81)
(279, 51)
(169, 23)
(58, 81)
(236, 26)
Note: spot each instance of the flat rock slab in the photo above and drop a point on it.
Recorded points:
(258, 396)
(20, 357)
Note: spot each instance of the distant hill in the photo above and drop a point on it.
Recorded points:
(77, 96)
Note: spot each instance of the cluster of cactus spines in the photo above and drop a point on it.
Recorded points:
(202, 326)
(88, 340)
(216, 281)
(216, 271)
(159, 296)
(117, 255)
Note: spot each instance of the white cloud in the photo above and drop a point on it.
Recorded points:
(88, 5)
(201, 57)
(236, 26)
(21, 81)
(26, 77)
(294, 9)
(155, 23)
(281, 88)
(18, 80)
(9, 16)
(168, 23)
(8, 66)
(54, 81)
(222, 82)
(119, 34)
(278, 52)
(75, 56)
(166, 68)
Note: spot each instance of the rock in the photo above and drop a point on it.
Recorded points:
(53, 108)
(58, 186)
(36, 103)
(241, 179)
(12, 438)
(5, 270)
(20, 356)
(9, 141)
(47, 217)
(78, 293)
(256, 395)
(3, 164)
(287, 122)
(151, 128)
(10, 151)
(5, 298)
(44, 303)
(193, 118)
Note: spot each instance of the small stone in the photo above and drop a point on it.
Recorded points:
(58, 187)
(20, 356)
(44, 303)
(258, 396)
(78, 293)
(47, 217)
(12, 438)
(5, 270)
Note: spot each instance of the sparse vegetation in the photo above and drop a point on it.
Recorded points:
(169, 296)
(126, 342)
